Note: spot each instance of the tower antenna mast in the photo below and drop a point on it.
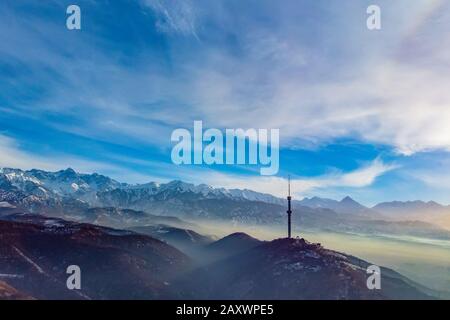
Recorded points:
(289, 211)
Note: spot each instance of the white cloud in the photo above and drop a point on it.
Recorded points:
(393, 103)
(12, 156)
(363, 176)
(396, 96)
(277, 186)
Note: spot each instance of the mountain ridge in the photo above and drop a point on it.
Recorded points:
(76, 193)
(54, 181)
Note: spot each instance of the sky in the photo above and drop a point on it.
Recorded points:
(361, 112)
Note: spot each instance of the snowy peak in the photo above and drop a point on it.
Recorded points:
(180, 186)
(99, 190)
(55, 184)
(67, 175)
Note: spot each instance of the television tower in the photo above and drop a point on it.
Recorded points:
(289, 211)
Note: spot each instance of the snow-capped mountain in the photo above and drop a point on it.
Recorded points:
(64, 183)
(89, 187)
(67, 192)
(69, 183)
(38, 186)
(72, 195)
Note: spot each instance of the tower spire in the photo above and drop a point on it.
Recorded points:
(289, 186)
(289, 211)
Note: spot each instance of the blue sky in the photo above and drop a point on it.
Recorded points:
(364, 113)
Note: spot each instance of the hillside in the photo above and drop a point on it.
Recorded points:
(115, 264)
(294, 269)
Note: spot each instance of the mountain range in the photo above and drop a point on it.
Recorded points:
(98, 199)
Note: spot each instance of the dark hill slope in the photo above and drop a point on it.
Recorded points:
(115, 264)
(294, 269)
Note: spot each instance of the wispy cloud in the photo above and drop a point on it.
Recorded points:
(304, 67)
(174, 16)
(392, 91)
(395, 95)
(359, 178)
(13, 156)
